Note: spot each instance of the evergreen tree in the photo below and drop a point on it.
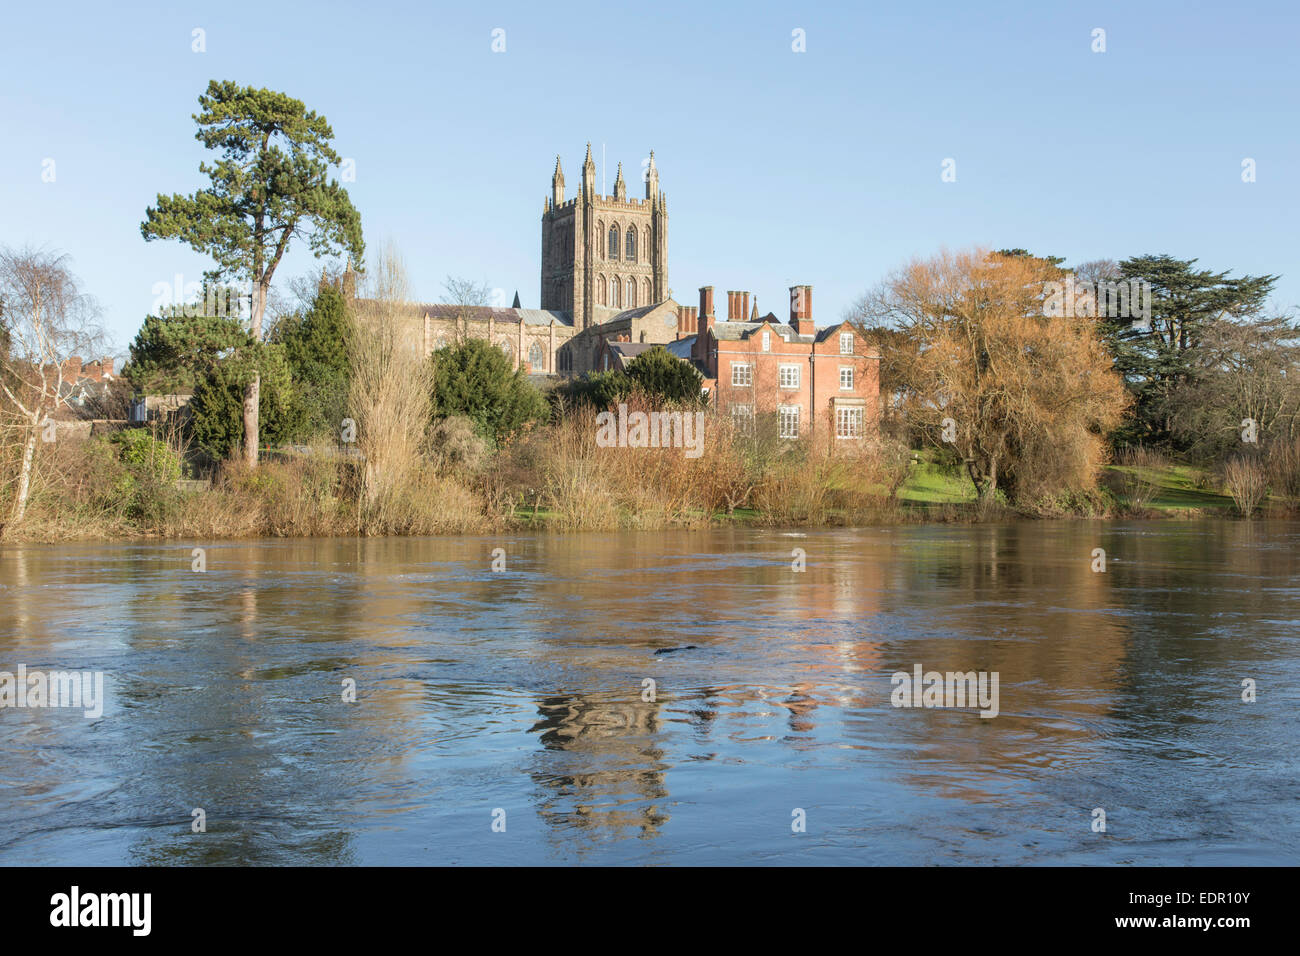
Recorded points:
(473, 378)
(270, 186)
(217, 408)
(316, 350)
(173, 353)
(662, 375)
(1154, 360)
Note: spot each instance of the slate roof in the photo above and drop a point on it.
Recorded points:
(737, 331)
(624, 352)
(682, 347)
(631, 349)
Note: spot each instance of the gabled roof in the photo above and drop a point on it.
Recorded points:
(826, 333)
(637, 312)
(737, 331)
(624, 352)
(607, 316)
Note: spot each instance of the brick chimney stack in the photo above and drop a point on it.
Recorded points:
(744, 306)
(687, 321)
(801, 309)
(703, 322)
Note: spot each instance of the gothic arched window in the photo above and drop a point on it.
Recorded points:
(600, 290)
(645, 285)
(535, 357)
(616, 293)
(631, 293)
(613, 241)
(630, 252)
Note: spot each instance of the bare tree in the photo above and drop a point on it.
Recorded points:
(461, 291)
(45, 319)
(1241, 370)
(466, 295)
(390, 393)
(1097, 271)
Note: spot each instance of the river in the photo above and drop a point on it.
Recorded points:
(661, 698)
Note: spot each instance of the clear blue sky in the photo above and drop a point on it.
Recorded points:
(780, 168)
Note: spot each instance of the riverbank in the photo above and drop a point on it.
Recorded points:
(318, 496)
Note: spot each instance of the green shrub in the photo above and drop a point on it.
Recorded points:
(147, 457)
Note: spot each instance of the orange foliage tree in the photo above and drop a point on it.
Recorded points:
(1024, 398)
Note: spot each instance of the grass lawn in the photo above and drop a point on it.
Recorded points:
(929, 484)
(1179, 487)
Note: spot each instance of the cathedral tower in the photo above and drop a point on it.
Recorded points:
(603, 254)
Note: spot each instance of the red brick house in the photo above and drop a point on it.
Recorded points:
(820, 382)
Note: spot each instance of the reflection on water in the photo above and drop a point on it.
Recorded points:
(527, 690)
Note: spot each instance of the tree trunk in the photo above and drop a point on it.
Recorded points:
(25, 477)
(253, 391)
(252, 395)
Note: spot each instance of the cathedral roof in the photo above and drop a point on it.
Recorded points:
(482, 313)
